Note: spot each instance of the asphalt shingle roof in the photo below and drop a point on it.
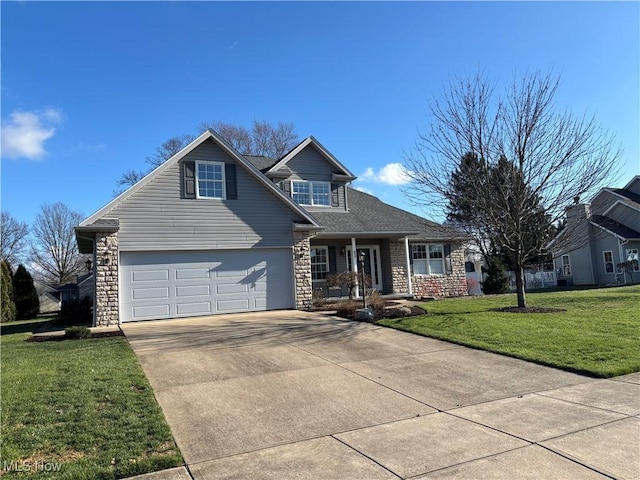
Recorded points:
(367, 214)
(631, 198)
(261, 163)
(615, 227)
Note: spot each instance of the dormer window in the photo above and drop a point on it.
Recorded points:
(311, 193)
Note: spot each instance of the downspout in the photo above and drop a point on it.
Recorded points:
(408, 261)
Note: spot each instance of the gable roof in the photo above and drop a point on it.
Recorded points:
(323, 151)
(368, 215)
(617, 229)
(207, 135)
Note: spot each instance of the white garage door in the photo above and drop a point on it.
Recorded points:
(156, 285)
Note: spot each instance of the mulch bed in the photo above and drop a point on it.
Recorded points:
(529, 310)
(58, 338)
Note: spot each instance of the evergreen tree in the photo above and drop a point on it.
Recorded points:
(8, 308)
(25, 294)
(497, 280)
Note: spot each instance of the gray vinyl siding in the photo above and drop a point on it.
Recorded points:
(634, 187)
(578, 247)
(625, 215)
(602, 201)
(157, 217)
(310, 165)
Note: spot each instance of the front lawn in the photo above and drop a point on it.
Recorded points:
(78, 409)
(599, 334)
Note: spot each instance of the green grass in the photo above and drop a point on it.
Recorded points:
(599, 334)
(81, 406)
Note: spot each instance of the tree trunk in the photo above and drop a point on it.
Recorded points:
(522, 299)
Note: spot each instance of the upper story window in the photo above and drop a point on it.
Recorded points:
(311, 193)
(427, 259)
(210, 180)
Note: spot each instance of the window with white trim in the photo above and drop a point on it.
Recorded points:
(566, 266)
(319, 262)
(632, 256)
(210, 180)
(427, 259)
(607, 256)
(311, 193)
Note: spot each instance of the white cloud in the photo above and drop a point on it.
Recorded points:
(24, 133)
(390, 174)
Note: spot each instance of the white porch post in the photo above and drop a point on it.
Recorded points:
(406, 253)
(354, 264)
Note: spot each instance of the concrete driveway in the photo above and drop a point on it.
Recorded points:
(291, 394)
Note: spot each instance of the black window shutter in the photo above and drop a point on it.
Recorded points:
(231, 185)
(335, 197)
(447, 259)
(332, 260)
(286, 187)
(189, 179)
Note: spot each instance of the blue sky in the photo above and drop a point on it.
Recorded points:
(90, 89)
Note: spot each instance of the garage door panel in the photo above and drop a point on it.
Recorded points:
(201, 308)
(193, 291)
(181, 284)
(151, 311)
(150, 293)
(233, 305)
(149, 275)
(192, 273)
(232, 288)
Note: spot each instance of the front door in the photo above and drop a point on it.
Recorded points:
(371, 264)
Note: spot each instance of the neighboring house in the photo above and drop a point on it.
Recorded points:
(599, 238)
(49, 302)
(212, 231)
(82, 288)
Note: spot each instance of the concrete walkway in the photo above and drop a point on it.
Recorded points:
(300, 395)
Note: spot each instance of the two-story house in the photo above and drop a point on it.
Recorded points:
(212, 231)
(601, 241)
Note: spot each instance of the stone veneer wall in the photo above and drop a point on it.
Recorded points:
(398, 259)
(453, 284)
(106, 271)
(302, 269)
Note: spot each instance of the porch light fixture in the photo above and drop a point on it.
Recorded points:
(342, 251)
(88, 264)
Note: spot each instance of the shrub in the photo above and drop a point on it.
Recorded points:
(347, 280)
(75, 313)
(8, 306)
(25, 294)
(77, 332)
(497, 280)
(376, 303)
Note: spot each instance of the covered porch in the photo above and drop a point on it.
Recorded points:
(384, 260)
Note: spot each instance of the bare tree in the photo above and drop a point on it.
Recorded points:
(13, 238)
(54, 252)
(264, 139)
(549, 158)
